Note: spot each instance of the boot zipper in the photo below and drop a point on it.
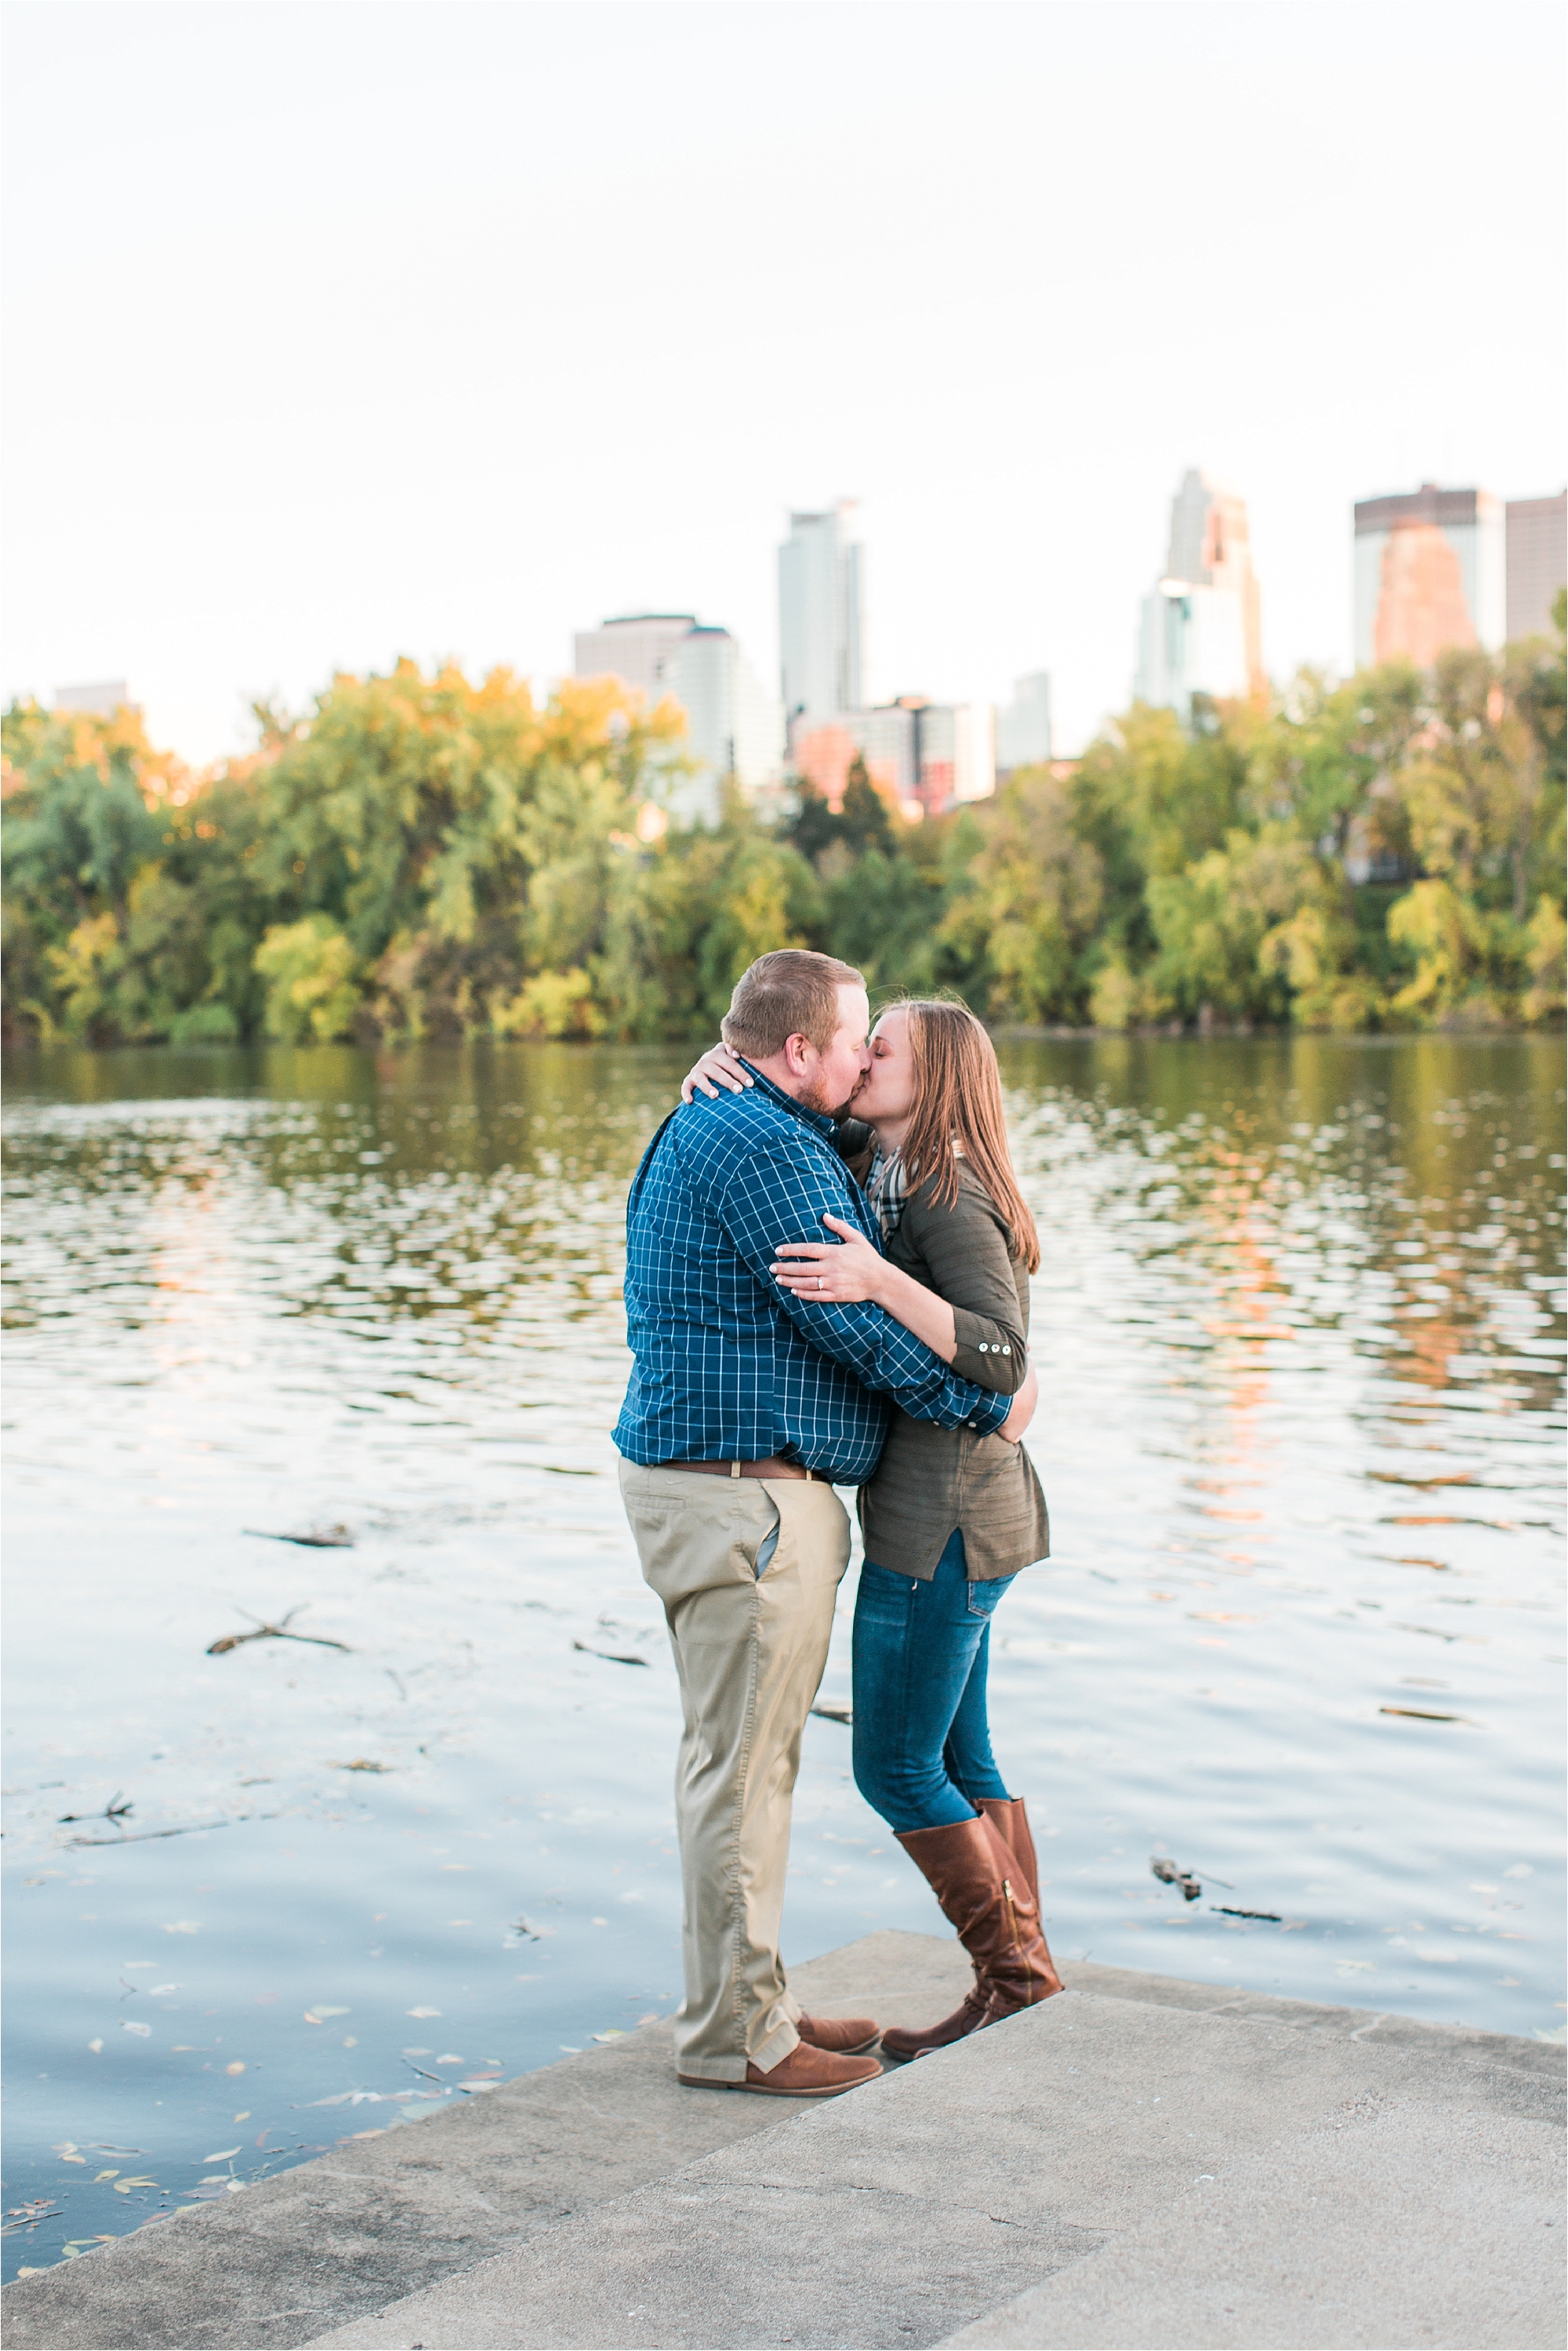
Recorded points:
(1017, 1938)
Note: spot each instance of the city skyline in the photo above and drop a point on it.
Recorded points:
(1433, 568)
(556, 435)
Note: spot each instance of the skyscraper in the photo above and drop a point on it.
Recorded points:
(734, 728)
(820, 616)
(632, 649)
(1023, 724)
(1211, 547)
(1428, 574)
(1537, 562)
(1201, 626)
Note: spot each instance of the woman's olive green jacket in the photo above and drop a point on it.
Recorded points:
(930, 1479)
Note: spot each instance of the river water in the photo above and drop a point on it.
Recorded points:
(1298, 1328)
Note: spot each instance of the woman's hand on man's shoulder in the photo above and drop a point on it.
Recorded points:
(719, 1067)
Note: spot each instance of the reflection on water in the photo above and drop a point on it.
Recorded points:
(1299, 1326)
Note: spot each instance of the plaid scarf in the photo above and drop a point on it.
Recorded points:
(887, 1190)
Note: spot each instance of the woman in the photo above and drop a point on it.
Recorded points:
(950, 1517)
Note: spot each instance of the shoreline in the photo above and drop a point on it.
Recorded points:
(1005, 1032)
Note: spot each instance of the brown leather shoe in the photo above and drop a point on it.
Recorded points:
(978, 1880)
(848, 2036)
(806, 2072)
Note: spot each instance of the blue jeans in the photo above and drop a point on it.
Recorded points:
(921, 1743)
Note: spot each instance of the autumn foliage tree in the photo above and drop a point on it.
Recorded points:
(419, 855)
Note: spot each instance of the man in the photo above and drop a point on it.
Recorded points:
(746, 1405)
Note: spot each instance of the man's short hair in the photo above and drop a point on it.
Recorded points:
(792, 992)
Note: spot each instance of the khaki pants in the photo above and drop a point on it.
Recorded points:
(747, 1569)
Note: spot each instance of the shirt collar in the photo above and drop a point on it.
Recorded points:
(824, 1121)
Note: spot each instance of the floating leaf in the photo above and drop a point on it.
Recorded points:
(221, 2156)
(422, 2012)
(143, 2031)
(333, 1538)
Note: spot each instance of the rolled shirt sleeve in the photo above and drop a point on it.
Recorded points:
(994, 1355)
(962, 1250)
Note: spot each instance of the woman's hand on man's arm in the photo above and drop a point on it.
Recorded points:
(719, 1067)
(847, 1272)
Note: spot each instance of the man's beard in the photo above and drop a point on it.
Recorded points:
(816, 1097)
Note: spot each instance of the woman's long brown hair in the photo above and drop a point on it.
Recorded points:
(958, 1099)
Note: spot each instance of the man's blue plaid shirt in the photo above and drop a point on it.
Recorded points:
(728, 1367)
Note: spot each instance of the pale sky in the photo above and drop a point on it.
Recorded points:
(339, 331)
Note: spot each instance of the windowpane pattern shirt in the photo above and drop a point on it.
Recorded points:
(728, 1365)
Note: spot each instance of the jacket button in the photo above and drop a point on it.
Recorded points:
(1006, 1350)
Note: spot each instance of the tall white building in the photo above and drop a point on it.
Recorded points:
(734, 727)
(632, 649)
(1023, 724)
(1200, 629)
(820, 620)
(1191, 640)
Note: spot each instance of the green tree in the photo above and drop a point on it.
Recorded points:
(1030, 903)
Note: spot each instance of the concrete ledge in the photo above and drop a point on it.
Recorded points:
(1141, 2161)
(381, 2218)
(1382, 2225)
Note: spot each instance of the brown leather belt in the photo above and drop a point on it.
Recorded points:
(772, 1467)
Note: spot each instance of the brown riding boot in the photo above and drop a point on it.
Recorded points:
(1008, 1817)
(975, 1876)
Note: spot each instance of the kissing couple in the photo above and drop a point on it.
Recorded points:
(827, 1284)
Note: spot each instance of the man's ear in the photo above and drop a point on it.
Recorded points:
(797, 1049)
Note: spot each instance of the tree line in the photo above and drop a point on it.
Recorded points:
(418, 856)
